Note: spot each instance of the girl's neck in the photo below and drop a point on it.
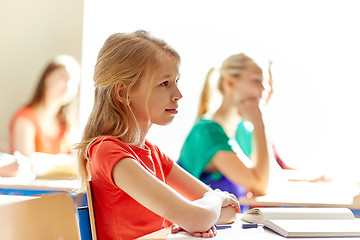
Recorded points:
(144, 129)
(228, 117)
(48, 109)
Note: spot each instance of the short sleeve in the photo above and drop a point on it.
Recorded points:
(204, 140)
(104, 154)
(166, 162)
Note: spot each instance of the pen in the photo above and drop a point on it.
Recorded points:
(222, 226)
(249, 225)
(244, 226)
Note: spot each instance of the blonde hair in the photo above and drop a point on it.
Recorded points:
(232, 66)
(122, 59)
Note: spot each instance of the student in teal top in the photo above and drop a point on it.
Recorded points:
(228, 149)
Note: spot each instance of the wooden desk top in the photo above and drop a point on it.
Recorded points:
(285, 193)
(231, 233)
(6, 199)
(39, 184)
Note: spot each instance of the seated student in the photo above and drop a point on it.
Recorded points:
(228, 149)
(43, 124)
(137, 189)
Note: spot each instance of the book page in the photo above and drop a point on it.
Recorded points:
(313, 228)
(256, 214)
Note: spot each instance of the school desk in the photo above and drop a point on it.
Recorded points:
(23, 187)
(309, 194)
(233, 234)
(50, 216)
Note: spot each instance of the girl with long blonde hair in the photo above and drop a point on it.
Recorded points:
(137, 189)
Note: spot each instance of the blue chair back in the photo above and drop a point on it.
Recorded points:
(84, 223)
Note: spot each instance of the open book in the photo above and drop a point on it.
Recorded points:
(306, 222)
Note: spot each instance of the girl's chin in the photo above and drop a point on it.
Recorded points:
(165, 122)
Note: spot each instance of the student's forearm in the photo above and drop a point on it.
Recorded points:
(186, 184)
(261, 167)
(205, 213)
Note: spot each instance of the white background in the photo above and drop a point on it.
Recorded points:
(313, 117)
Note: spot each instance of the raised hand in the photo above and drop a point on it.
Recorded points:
(250, 111)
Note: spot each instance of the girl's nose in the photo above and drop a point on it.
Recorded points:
(177, 95)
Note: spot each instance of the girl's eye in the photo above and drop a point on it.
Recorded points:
(164, 84)
(177, 82)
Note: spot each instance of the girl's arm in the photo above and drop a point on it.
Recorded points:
(193, 216)
(192, 189)
(23, 136)
(254, 178)
(251, 178)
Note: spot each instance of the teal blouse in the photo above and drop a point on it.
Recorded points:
(205, 139)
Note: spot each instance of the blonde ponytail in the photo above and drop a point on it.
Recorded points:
(206, 95)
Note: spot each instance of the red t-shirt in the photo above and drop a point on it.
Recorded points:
(117, 215)
(43, 143)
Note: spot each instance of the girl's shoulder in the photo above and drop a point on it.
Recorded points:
(110, 144)
(26, 112)
(109, 147)
(205, 122)
(103, 141)
(152, 148)
(207, 125)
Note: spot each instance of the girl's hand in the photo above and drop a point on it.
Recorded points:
(208, 234)
(10, 170)
(249, 110)
(229, 200)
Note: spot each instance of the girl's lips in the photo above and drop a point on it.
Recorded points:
(172, 111)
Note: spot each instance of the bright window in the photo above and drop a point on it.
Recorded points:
(313, 117)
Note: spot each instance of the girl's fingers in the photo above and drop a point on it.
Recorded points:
(234, 202)
(175, 228)
(197, 234)
(237, 208)
(214, 230)
(233, 197)
(208, 234)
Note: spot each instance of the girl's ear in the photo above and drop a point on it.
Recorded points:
(120, 90)
(228, 82)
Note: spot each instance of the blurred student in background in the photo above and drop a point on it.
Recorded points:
(228, 149)
(44, 124)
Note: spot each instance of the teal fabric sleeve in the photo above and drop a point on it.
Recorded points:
(244, 137)
(204, 140)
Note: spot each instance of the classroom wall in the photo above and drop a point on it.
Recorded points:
(31, 33)
(312, 117)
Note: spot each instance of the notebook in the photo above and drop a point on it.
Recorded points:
(306, 222)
